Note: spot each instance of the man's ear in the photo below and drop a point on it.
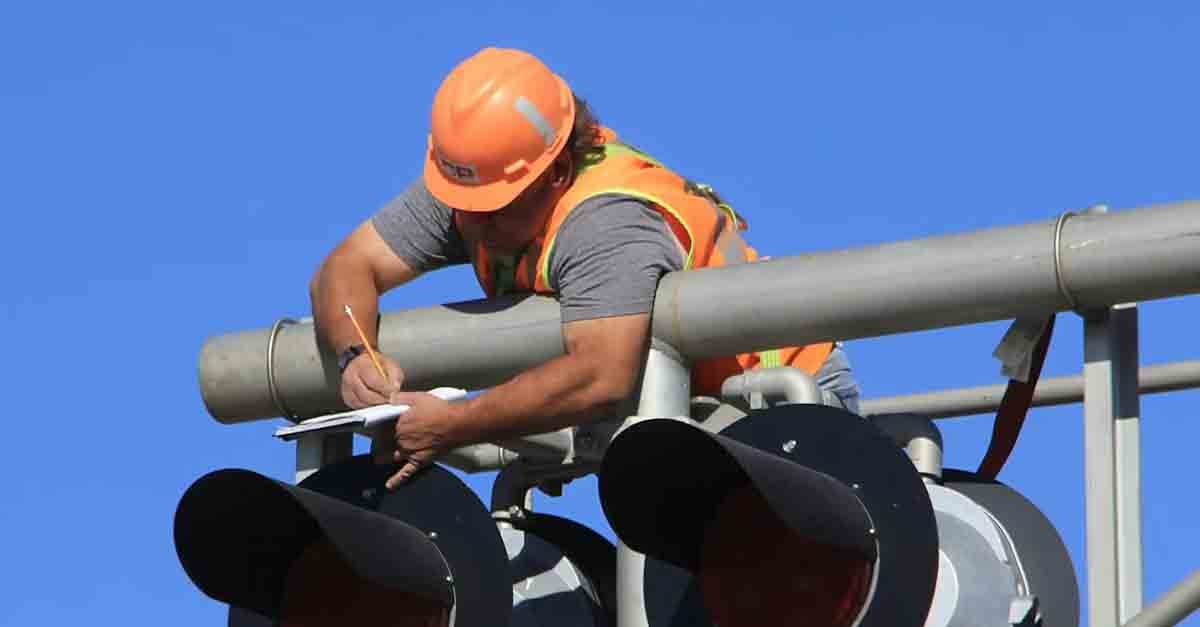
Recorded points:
(563, 169)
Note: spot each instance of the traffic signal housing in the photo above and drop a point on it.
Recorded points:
(794, 515)
(340, 549)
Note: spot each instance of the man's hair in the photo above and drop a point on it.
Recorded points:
(584, 141)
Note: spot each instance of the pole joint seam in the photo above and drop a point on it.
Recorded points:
(1058, 265)
(272, 383)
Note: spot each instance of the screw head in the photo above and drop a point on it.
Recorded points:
(789, 446)
(433, 535)
(368, 493)
(855, 486)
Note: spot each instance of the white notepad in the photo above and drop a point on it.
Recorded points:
(358, 418)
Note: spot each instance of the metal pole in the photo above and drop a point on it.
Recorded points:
(985, 399)
(1112, 465)
(1085, 262)
(1099, 465)
(1091, 261)
(1172, 607)
(665, 393)
(316, 450)
(920, 439)
(1127, 446)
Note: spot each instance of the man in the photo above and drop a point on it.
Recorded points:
(521, 181)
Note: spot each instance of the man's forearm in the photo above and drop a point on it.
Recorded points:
(563, 392)
(336, 285)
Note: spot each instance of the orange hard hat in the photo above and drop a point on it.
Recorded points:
(499, 120)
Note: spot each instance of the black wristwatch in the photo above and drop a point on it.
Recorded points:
(348, 356)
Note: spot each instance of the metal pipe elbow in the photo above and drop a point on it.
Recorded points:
(784, 384)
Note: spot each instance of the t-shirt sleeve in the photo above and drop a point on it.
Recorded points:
(420, 230)
(608, 257)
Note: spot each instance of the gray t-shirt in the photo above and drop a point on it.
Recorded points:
(607, 259)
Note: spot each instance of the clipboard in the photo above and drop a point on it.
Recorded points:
(358, 419)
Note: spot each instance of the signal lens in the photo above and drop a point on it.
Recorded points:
(323, 591)
(755, 571)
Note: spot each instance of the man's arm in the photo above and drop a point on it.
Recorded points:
(355, 273)
(600, 369)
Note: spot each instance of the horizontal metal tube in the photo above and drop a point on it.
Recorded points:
(479, 458)
(553, 447)
(996, 274)
(472, 345)
(1057, 391)
(930, 283)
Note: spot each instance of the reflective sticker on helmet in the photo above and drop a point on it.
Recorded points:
(531, 113)
(460, 172)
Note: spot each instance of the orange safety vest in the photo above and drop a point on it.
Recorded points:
(704, 225)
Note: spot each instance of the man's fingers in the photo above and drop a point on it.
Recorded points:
(405, 398)
(374, 382)
(406, 471)
(395, 373)
(351, 396)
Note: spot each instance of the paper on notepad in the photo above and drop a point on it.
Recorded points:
(358, 418)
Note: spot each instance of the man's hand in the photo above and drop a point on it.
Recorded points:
(362, 386)
(422, 433)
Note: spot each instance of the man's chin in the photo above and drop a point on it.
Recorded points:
(504, 247)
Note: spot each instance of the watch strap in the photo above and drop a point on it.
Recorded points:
(348, 355)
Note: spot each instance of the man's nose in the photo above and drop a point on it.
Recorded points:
(482, 218)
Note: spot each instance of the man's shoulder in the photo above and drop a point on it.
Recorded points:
(614, 224)
(611, 211)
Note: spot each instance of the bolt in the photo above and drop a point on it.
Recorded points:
(516, 512)
(449, 579)
(855, 486)
(871, 531)
(433, 535)
(789, 446)
(368, 493)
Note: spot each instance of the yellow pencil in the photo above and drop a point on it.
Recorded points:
(370, 351)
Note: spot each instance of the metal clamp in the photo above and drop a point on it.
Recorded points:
(1058, 272)
(272, 384)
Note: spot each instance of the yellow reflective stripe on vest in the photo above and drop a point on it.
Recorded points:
(615, 149)
(770, 359)
(544, 271)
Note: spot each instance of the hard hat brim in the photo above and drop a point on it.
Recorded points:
(483, 198)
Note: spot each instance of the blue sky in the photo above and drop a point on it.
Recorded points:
(172, 172)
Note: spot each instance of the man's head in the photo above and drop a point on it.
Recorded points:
(500, 144)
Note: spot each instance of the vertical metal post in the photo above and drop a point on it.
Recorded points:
(1128, 449)
(1112, 461)
(317, 450)
(666, 393)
